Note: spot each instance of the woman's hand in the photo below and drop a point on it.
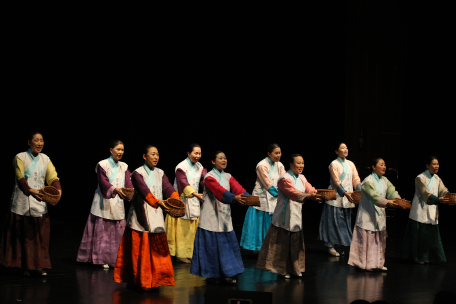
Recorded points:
(119, 192)
(444, 199)
(162, 204)
(240, 199)
(36, 194)
(199, 196)
(391, 203)
(314, 196)
(348, 195)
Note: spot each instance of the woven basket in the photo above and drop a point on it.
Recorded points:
(401, 203)
(356, 196)
(176, 207)
(327, 194)
(129, 193)
(50, 195)
(251, 200)
(452, 198)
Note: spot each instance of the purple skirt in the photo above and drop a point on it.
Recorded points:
(101, 240)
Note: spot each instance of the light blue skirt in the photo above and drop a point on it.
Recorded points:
(256, 225)
(335, 225)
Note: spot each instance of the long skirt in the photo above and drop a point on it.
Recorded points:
(181, 236)
(256, 225)
(24, 242)
(100, 241)
(422, 243)
(283, 252)
(216, 255)
(367, 250)
(143, 259)
(335, 225)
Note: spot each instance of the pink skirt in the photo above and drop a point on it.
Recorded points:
(100, 241)
(367, 249)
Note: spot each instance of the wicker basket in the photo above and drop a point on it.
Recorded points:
(451, 198)
(50, 195)
(129, 193)
(176, 207)
(251, 200)
(401, 203)
(356, 196)
(327, 194)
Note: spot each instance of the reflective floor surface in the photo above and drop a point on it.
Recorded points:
(327, 279)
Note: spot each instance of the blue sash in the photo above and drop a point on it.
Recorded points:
(115, 169)
(271, 171)
(33, 165)
(345, 166)
(192, 170)
(298, 185)
(221, 180)
(151, 178)
(379, 189)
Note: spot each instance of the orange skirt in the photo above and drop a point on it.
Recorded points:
(143, 259)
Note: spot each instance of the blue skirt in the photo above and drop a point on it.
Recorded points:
(335, 225)
(216, 255)
(256, 225)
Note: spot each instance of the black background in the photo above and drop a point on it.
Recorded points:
(231, 76)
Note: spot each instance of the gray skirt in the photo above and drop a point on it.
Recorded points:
(335, 225)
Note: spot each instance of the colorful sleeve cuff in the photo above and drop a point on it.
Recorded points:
(248, 194)
(273, 191)
(433, 200)
(152, 200)
(188, 192)
(358, 187)
(175, 195)
(228, 198)
(56, 184)
(341, 190)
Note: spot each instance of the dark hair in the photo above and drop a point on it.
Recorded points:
(214, 155)
(33, 134)
(271, 147)
(375, 161)
(430, 159)
(191, 146)
(114, 143)
(146, 149)
(338, 145)
(292, 157)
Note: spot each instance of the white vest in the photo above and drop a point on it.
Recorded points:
(347, 183)
(155, 218)
(111, 209)
(293, 211)
(215, 215)
(267, 201)
(367, 218)
(430, 213)
(27, 205)
(192, 205)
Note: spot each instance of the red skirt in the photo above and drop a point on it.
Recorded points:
(143, 259)
(24, 242)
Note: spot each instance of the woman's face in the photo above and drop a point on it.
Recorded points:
(275, 155)
(151, 158)
(433, 167)
(36, 144)
(380, 168)
(195, 155)
(342, 152)
(220, 162)
(117, 152)
(298, 165)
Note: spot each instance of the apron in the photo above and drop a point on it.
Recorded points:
(267, 201)
(35, 174)
(422, 212)
(347, 183)
(111, 209)
(371, 217)
(193, 173)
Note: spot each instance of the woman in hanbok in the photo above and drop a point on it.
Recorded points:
(24, 242)
(367, 249)
(335, 222)
(106, 223)
(181, 231)
(216, 254)
(283, 247)
(258, 219)
(422, 243)
(143, 258)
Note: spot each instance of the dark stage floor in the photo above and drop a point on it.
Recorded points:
(326, 280)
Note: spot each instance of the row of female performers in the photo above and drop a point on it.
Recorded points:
(139, 248)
